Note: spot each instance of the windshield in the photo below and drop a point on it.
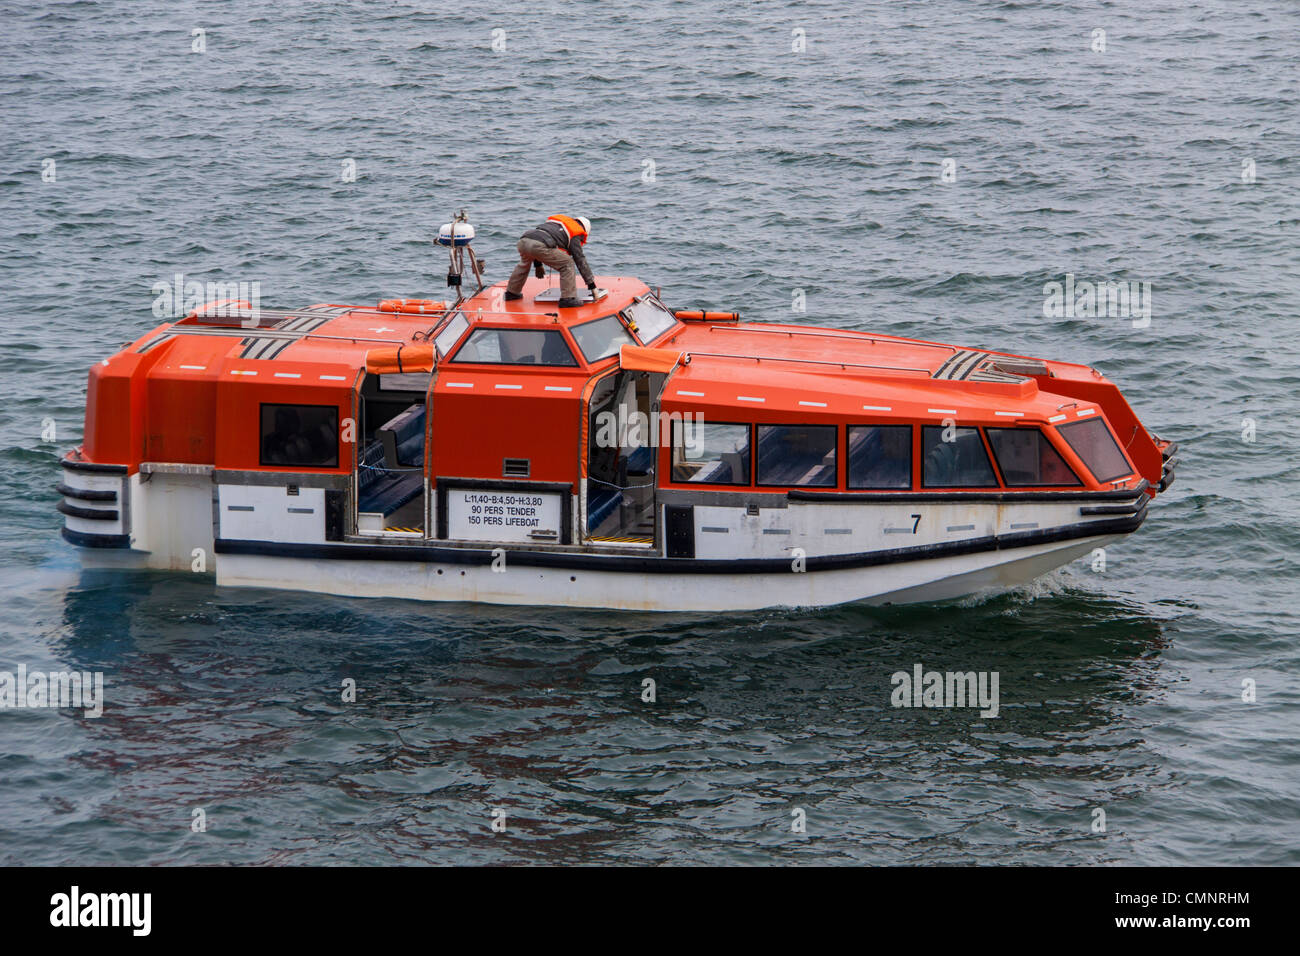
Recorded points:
(650, 319)
(515, 347)
(602, 338)
(1026, 457)
(1092, 441)
(449, 336)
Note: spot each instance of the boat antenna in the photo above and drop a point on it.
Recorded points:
(457, 236)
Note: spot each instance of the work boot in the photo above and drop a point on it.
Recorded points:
(513, 296)
(570, 303)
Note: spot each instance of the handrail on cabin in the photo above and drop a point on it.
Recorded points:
(237, 315)
(773, 358)
(842, 334)
(237, 331)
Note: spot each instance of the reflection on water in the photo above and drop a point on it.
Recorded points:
(233, 700)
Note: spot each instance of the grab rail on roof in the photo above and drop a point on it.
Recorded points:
(232, 317)
(289, 334)
(844, 334)
(771, 358)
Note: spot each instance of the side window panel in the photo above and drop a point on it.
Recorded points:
(305, 436)
(711, 453)
(960, 463)
(799, 455)
(880, 456)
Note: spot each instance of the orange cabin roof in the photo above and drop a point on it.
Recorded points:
(193, 386)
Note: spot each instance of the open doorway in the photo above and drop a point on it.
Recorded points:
(622, 446)
(390, 460)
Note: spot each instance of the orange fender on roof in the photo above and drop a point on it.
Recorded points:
(415, 306)
(698, 316)
(400, 358)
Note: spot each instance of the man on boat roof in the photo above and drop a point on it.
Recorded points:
(556, 243)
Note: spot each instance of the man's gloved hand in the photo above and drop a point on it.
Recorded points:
(538, 270)
(591, 287)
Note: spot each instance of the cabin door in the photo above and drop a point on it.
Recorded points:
(390, 498)
(622, 452)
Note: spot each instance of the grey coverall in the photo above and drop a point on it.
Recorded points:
(550, 245)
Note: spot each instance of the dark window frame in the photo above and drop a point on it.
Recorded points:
(446, 326)
(754, 440)
(988, 456)
(625, 314)
(617, 317)
(1043, 436)
(911, 457)
(455, 359)
(1105, 426)
(749, 458)
(261, 435)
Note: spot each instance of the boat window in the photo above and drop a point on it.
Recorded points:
(649, 319)
(880, 456)
(711, 452)
(602, 338)
(1092, 441)
(797, 455)
(1026, 457)
(960, 462)
(451, 334)
(515, 347)
(306, 436)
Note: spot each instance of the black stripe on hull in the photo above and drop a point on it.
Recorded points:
(1122, 509)
(93, 467)
(83, 539)
(85, 494)
(912, 497)
(639, 565)
(87, 514)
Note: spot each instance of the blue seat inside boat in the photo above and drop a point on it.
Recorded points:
(601, 504)
(391, 471)
(602, 500)
(639, 462)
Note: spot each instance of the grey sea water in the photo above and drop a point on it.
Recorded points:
(720, 162)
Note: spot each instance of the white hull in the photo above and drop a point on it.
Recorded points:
(170, 520)
(908, 582)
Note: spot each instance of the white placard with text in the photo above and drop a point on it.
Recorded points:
(483, 514)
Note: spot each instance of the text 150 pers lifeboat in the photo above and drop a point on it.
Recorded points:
(618, 455)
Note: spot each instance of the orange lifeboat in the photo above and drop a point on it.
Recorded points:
(624, 458)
